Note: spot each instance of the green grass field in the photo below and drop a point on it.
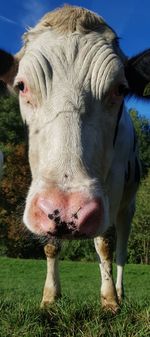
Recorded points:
(78, 313)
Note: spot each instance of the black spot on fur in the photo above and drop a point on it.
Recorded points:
(117, 124)
(6, 61)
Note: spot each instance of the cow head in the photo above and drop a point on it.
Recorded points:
(72, 78)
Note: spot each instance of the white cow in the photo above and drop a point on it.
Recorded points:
(72, 78)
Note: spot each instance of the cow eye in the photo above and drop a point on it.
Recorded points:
(21, 86)
(118, 92)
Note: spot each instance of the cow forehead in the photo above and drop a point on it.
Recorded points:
(72, 43)
(51, 56)
(70, 19)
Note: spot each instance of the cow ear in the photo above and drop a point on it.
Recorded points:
(8, 67)
(137, 72)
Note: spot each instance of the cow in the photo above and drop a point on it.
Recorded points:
(72, 78)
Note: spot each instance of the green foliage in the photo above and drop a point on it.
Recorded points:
(139, 243)
(142, 127)
(14, 240)
(79, 250)
(78, 313)
(11, 125)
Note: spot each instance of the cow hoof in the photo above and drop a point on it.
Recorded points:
(120, 295)
(110, 306)
(45, 304)
(50, 297)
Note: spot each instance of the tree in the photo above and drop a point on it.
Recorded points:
(16, 174)
(139, 243)
(142, 127)
(3, 89)
(11, 125)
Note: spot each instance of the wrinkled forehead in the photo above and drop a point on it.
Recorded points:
(65, 51)
(51, 56)
(49, 37)
(49, 40)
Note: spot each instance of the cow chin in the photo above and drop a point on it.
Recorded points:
(65, 215)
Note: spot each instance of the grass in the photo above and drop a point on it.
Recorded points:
(78, 313)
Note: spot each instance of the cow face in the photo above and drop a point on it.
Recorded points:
(71, 84)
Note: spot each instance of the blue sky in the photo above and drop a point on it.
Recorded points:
(129, 18)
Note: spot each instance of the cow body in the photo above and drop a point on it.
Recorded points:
(72, 77)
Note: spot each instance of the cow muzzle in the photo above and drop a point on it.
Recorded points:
(65, 215)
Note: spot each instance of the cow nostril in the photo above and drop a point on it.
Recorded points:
(54, 216)
(51, 216)
(56, 212)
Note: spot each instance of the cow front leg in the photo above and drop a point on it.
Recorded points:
(104, 248)
(52, 288)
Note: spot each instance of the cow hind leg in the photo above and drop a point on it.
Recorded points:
(52, 289)
(123, 226)
(104, 246)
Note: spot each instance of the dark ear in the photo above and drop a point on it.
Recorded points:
(6, 62)
(8, 67)
(137, 72)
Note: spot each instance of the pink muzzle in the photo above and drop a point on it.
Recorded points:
(65, 215)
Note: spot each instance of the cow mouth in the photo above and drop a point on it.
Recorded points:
(67, 232)
(69, 235)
